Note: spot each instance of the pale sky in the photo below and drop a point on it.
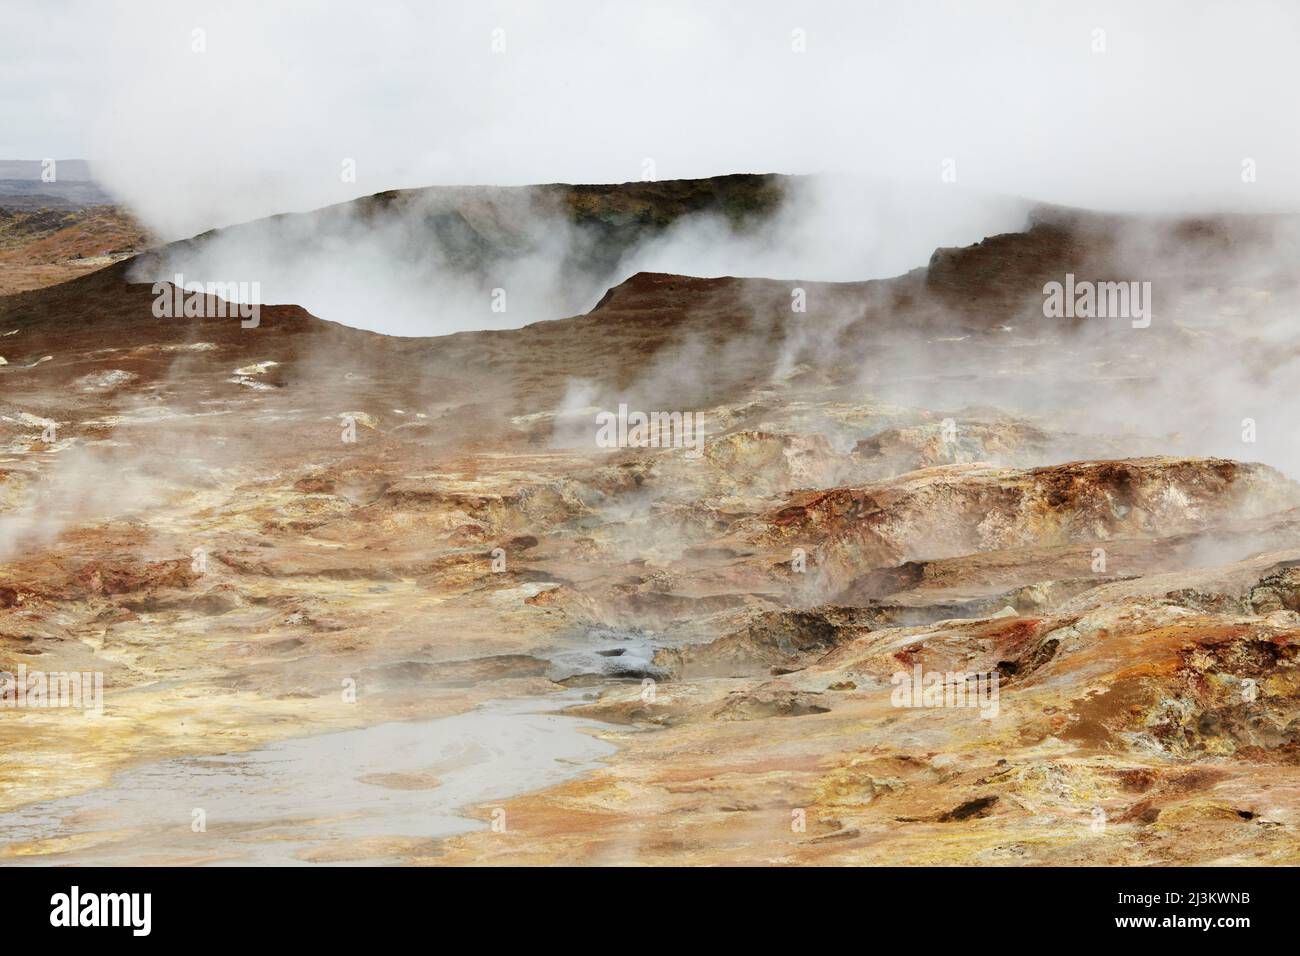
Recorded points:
(1130, 105)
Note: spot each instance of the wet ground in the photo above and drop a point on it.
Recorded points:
(392, 784)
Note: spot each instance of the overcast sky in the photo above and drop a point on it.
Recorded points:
(1118, 105)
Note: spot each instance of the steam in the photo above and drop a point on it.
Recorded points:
(1109, 105)
(71, 492)
(157, 456)
(920, 122)
(448, 260)
(427, 264)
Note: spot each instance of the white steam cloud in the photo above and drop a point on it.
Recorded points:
(1107, 105)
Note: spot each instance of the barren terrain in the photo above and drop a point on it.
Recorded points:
(259, 534)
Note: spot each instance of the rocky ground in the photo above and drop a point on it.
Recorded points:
(238, 526)
(43, 247)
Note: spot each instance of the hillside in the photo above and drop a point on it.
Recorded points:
(919, 472)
